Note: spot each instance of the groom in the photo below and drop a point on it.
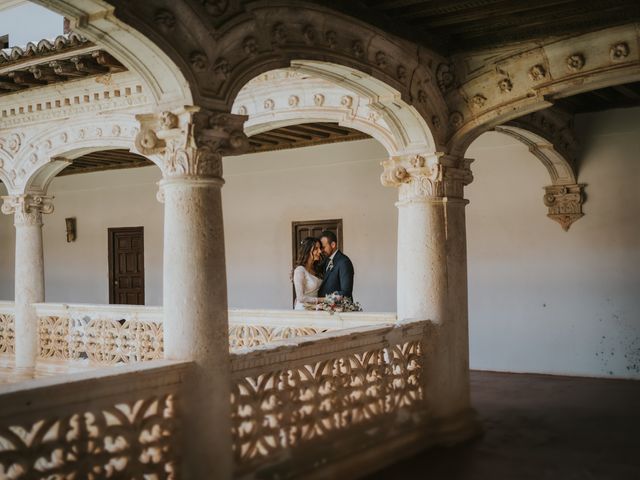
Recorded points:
(338, 269)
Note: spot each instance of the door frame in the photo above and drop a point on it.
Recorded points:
(294, 240)
(111, 233)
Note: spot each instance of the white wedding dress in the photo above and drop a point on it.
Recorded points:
(306, 285)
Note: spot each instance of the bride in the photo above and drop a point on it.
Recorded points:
(305, 276)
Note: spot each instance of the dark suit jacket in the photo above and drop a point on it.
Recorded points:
(340, 278)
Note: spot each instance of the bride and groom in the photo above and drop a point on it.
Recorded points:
(321, 270)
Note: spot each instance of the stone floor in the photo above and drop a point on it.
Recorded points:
(540, 427)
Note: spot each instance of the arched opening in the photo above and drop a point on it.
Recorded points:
(267, 194)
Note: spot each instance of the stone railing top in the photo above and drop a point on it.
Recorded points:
(6, 307)
(236, 316)
(300, 349)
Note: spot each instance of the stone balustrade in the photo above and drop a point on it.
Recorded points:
(106, 423)
(324, 398)
(109, 334)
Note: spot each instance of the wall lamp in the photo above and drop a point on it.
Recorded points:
(71, 229)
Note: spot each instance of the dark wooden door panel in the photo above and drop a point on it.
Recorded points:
(126, 265)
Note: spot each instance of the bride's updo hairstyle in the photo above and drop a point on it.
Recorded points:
(305, 251)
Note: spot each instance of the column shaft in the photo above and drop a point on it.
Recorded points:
(29, 289)
(195, 319)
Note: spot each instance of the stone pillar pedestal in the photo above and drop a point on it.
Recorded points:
(29, 272)
(195, 287)
(432, 280)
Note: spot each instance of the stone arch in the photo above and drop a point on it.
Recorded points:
(222, 45)
(42, 156)
(528, 79)
(96, 20)
(318, 91)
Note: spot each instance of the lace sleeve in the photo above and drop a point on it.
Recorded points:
(299, 275)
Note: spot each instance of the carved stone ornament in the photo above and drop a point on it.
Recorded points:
(331, 38)
(619, 51)
(575, 62)
(199, 61)
(346, 101)
(565, 203)
(478, 101)
(294, 100)
(166, 20)
(456, 119)
(381, 59)
(279, 34)
(250, 46)
(269, 104)
(358, 49)
(309, 34)
(423, 177)
(401, 73)
(445, 76)
(27, 209)
(195, 144)
(318, 99)
(505, 85)
(537, 73)
(215, 8)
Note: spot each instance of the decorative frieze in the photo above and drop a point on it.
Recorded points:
(27, 209)
(565, 203)
(192, 141)
(426, 177)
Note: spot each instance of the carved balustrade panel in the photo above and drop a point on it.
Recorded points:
(99, 340)
(248, 336)
(7, 333)
(122, 426)
(317, 392)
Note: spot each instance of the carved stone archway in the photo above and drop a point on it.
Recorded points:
(40, 155)
(318, 91)
(549, 136)
(500, 85)
(221, 45)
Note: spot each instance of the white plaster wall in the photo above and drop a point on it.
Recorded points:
(545, 300)
(79, 271)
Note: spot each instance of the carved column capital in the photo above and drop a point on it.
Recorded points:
(192, 141)
(27, 209)
(427, 177)
(565, 203)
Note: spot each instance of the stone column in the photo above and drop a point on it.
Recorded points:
(432, 279)
(29, 271)
(192, 143)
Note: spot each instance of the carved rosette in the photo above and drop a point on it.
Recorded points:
(427, 177)
(192, 141)
(564, 203)
(27, 209)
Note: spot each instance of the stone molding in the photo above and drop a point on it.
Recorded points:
(312, 91)
(516, 80)
(27, 209)
(31, 157)
(191, 141)
(549, 136)
(427, 178)
(565, 203)
(266, 36)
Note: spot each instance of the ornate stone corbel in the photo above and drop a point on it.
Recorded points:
(564, 203)
(27, 209)
(423, 177)
(192, 141)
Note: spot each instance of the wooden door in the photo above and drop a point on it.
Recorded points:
(313, 228)
(126, 266)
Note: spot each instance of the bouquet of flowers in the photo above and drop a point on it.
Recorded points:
(337, 303)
